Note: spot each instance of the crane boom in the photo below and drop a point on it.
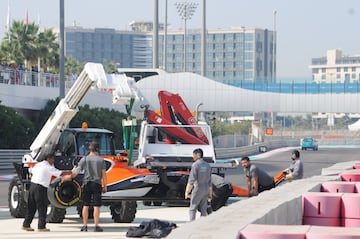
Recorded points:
(93, 75)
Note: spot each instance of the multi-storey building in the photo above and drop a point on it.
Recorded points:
(127, 48)
(232, 55)
(336, 68)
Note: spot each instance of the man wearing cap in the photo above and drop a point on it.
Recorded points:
(42, 173)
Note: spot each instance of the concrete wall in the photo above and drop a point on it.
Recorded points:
(279, 206)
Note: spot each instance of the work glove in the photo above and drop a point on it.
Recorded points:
(188, 190)
(289, 176)
(286, 171)
(210, 193)
(253, 193)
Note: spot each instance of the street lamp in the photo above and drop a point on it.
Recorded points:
(274, 48)
(243, 54)
(62, 51)
(197, 110)
(186, 11)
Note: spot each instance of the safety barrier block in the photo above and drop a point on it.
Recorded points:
(338, 187)
(350, 209)
(356, 166)
(357, 187)
(260, 231)
(321, 204)
(318, 232)
(351, 175)
(321, 208)
(322, 221)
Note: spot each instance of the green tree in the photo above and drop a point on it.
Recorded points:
(24, 45)
(48, 50)
(72, 65)
(110, 67)
(16, 132)
(21, 44)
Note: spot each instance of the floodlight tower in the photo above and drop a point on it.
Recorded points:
(186, 10)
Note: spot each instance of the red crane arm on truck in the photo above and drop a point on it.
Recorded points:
(174, 111)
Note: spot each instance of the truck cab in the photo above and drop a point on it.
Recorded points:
(73, 145)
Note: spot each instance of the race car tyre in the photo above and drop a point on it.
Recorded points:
(220, 194)
(79, 210)
(55, 214)
(157, 203)
(149, 203)
(16, 198)
(124, 211)
(64, 194)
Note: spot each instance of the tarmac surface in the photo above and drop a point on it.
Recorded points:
(70, 227)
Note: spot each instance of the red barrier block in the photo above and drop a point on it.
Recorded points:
(338, 187)
(321, 204)
(357, 187)
(356, 166)
(322, 221)
(351, 175)
(260, 231)
(350, 222)
(350, 205)
(316, 232)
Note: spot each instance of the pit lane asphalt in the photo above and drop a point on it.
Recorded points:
(272, 162)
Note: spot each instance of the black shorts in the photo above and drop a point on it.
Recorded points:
(92, 194)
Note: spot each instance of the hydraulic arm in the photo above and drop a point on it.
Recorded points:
(123, 91)
(174, 112)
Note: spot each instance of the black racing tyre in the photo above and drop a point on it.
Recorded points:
(55, 214)
(220, 194)
(157, 203)
(79, 210)
(124, 211)
(16, 198)
(64, 194)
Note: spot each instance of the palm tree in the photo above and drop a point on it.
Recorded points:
(22, 46)
(48, 50)
(73, 66)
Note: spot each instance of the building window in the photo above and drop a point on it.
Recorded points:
(338, 69)
(353, 68)
(345, 69)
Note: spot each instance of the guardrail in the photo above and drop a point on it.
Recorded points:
(8, 157)
(228, 153)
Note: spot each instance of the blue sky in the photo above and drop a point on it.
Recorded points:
(305, 29)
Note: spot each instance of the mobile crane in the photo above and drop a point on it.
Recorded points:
(160, 172)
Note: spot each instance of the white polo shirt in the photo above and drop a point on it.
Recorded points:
(42, 173)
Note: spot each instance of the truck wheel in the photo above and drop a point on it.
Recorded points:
(91, 211)
(147, 203)
(124, 211)
(16, 198)
(55, 214)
